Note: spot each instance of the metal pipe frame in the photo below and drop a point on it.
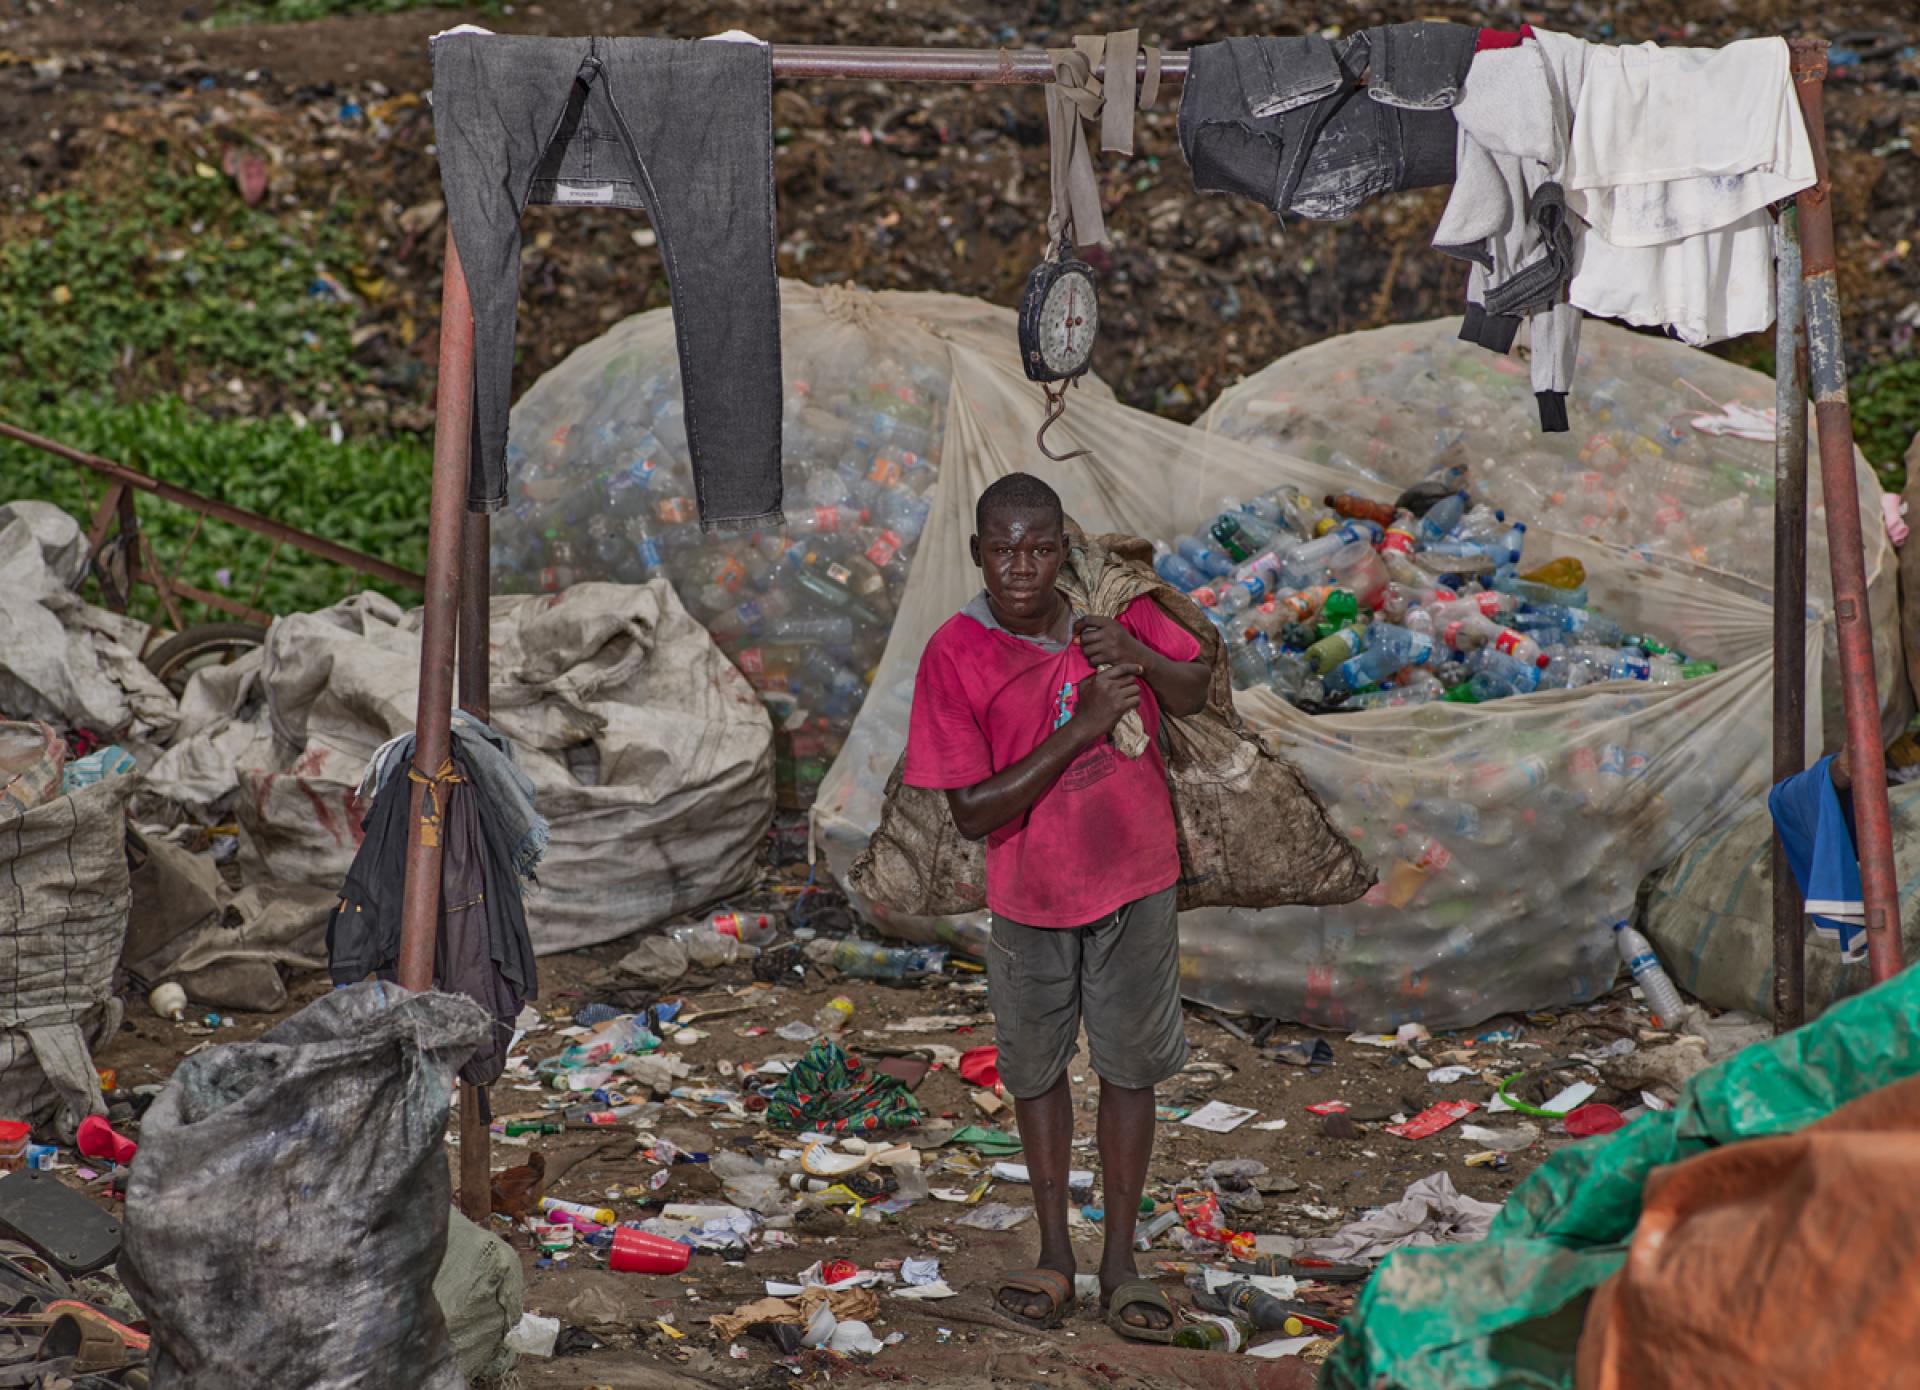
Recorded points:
(1789, 610)
(1002, 67)
(1827, 371)
(121, 474)
(452, 431)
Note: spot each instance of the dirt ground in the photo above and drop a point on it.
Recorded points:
(1315, 1183)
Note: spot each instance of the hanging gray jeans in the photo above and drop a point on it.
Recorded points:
(682, 130)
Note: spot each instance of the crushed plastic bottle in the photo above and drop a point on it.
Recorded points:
(868, 960)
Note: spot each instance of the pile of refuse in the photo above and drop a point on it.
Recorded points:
(1363, 604)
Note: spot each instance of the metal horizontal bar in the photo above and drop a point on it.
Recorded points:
(221, 511)
(1005, 65)
(138, 573)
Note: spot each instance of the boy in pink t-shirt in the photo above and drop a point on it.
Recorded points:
(1011, 718)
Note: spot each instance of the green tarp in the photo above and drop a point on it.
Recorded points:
(1505, 1313)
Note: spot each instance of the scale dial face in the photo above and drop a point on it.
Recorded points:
(1068, 320)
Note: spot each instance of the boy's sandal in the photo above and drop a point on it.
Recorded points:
(1136, 1293)
(1049, 1284)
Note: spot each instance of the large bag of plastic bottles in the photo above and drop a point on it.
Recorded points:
(1509, 835)
(601, 487)
(1517, 830)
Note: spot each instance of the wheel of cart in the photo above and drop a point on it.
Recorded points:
(205, 644)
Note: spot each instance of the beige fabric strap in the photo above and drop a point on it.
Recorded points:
(1075, 100)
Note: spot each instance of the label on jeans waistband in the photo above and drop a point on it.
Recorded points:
(582, 193)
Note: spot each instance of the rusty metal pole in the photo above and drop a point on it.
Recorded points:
(452, 426)
(1789, 609)
(476, 1158)
(1827, 370)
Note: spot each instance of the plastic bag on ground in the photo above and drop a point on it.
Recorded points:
(288, 1211)
(63, 921)
(1504, 1314)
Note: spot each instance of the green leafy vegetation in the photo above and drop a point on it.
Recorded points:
(134, 294)
(113, 308)
(1886, 414)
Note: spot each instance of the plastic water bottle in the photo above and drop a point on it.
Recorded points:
(1176, 569)
(708, 947)
(1231, 596)
(1584, 623)
(866, 960)
(833, 1016)
(1413, 648)
(1662, 997)
(1495, 606)
(1442, 517)
(1472, 633)
(1369, 668)
(1208, 559)
(1329, 652)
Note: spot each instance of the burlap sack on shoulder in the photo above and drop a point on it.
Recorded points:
(1252, 832)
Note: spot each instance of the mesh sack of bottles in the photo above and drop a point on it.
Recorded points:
(601, 487)
(1616, 579)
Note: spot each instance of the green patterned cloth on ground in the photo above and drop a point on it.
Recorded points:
(833, 1091)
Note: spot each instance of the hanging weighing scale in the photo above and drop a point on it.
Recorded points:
(1059, 317)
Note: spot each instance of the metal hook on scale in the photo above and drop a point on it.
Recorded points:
(1056, 407)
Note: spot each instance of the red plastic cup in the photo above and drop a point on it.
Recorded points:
(97, 1139)
(642, 1252)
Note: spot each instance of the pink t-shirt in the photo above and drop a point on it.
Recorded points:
(1102, 835)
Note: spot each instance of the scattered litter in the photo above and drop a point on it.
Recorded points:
(1312, 1053)
(1430, 1213)
(812, 1308)
(1286, 1346)
(980, 1068)
(1271, 1125)
(1433, 1119)
(1328, 1107)
(932, 1023)
(1558, 1108)
(1078, 1179)
(1505, 1140)
(995, 1216)
(991, 1143)
(534, 1335)
(1593, 1119)
(1217, 1117)
(1446, 1076)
